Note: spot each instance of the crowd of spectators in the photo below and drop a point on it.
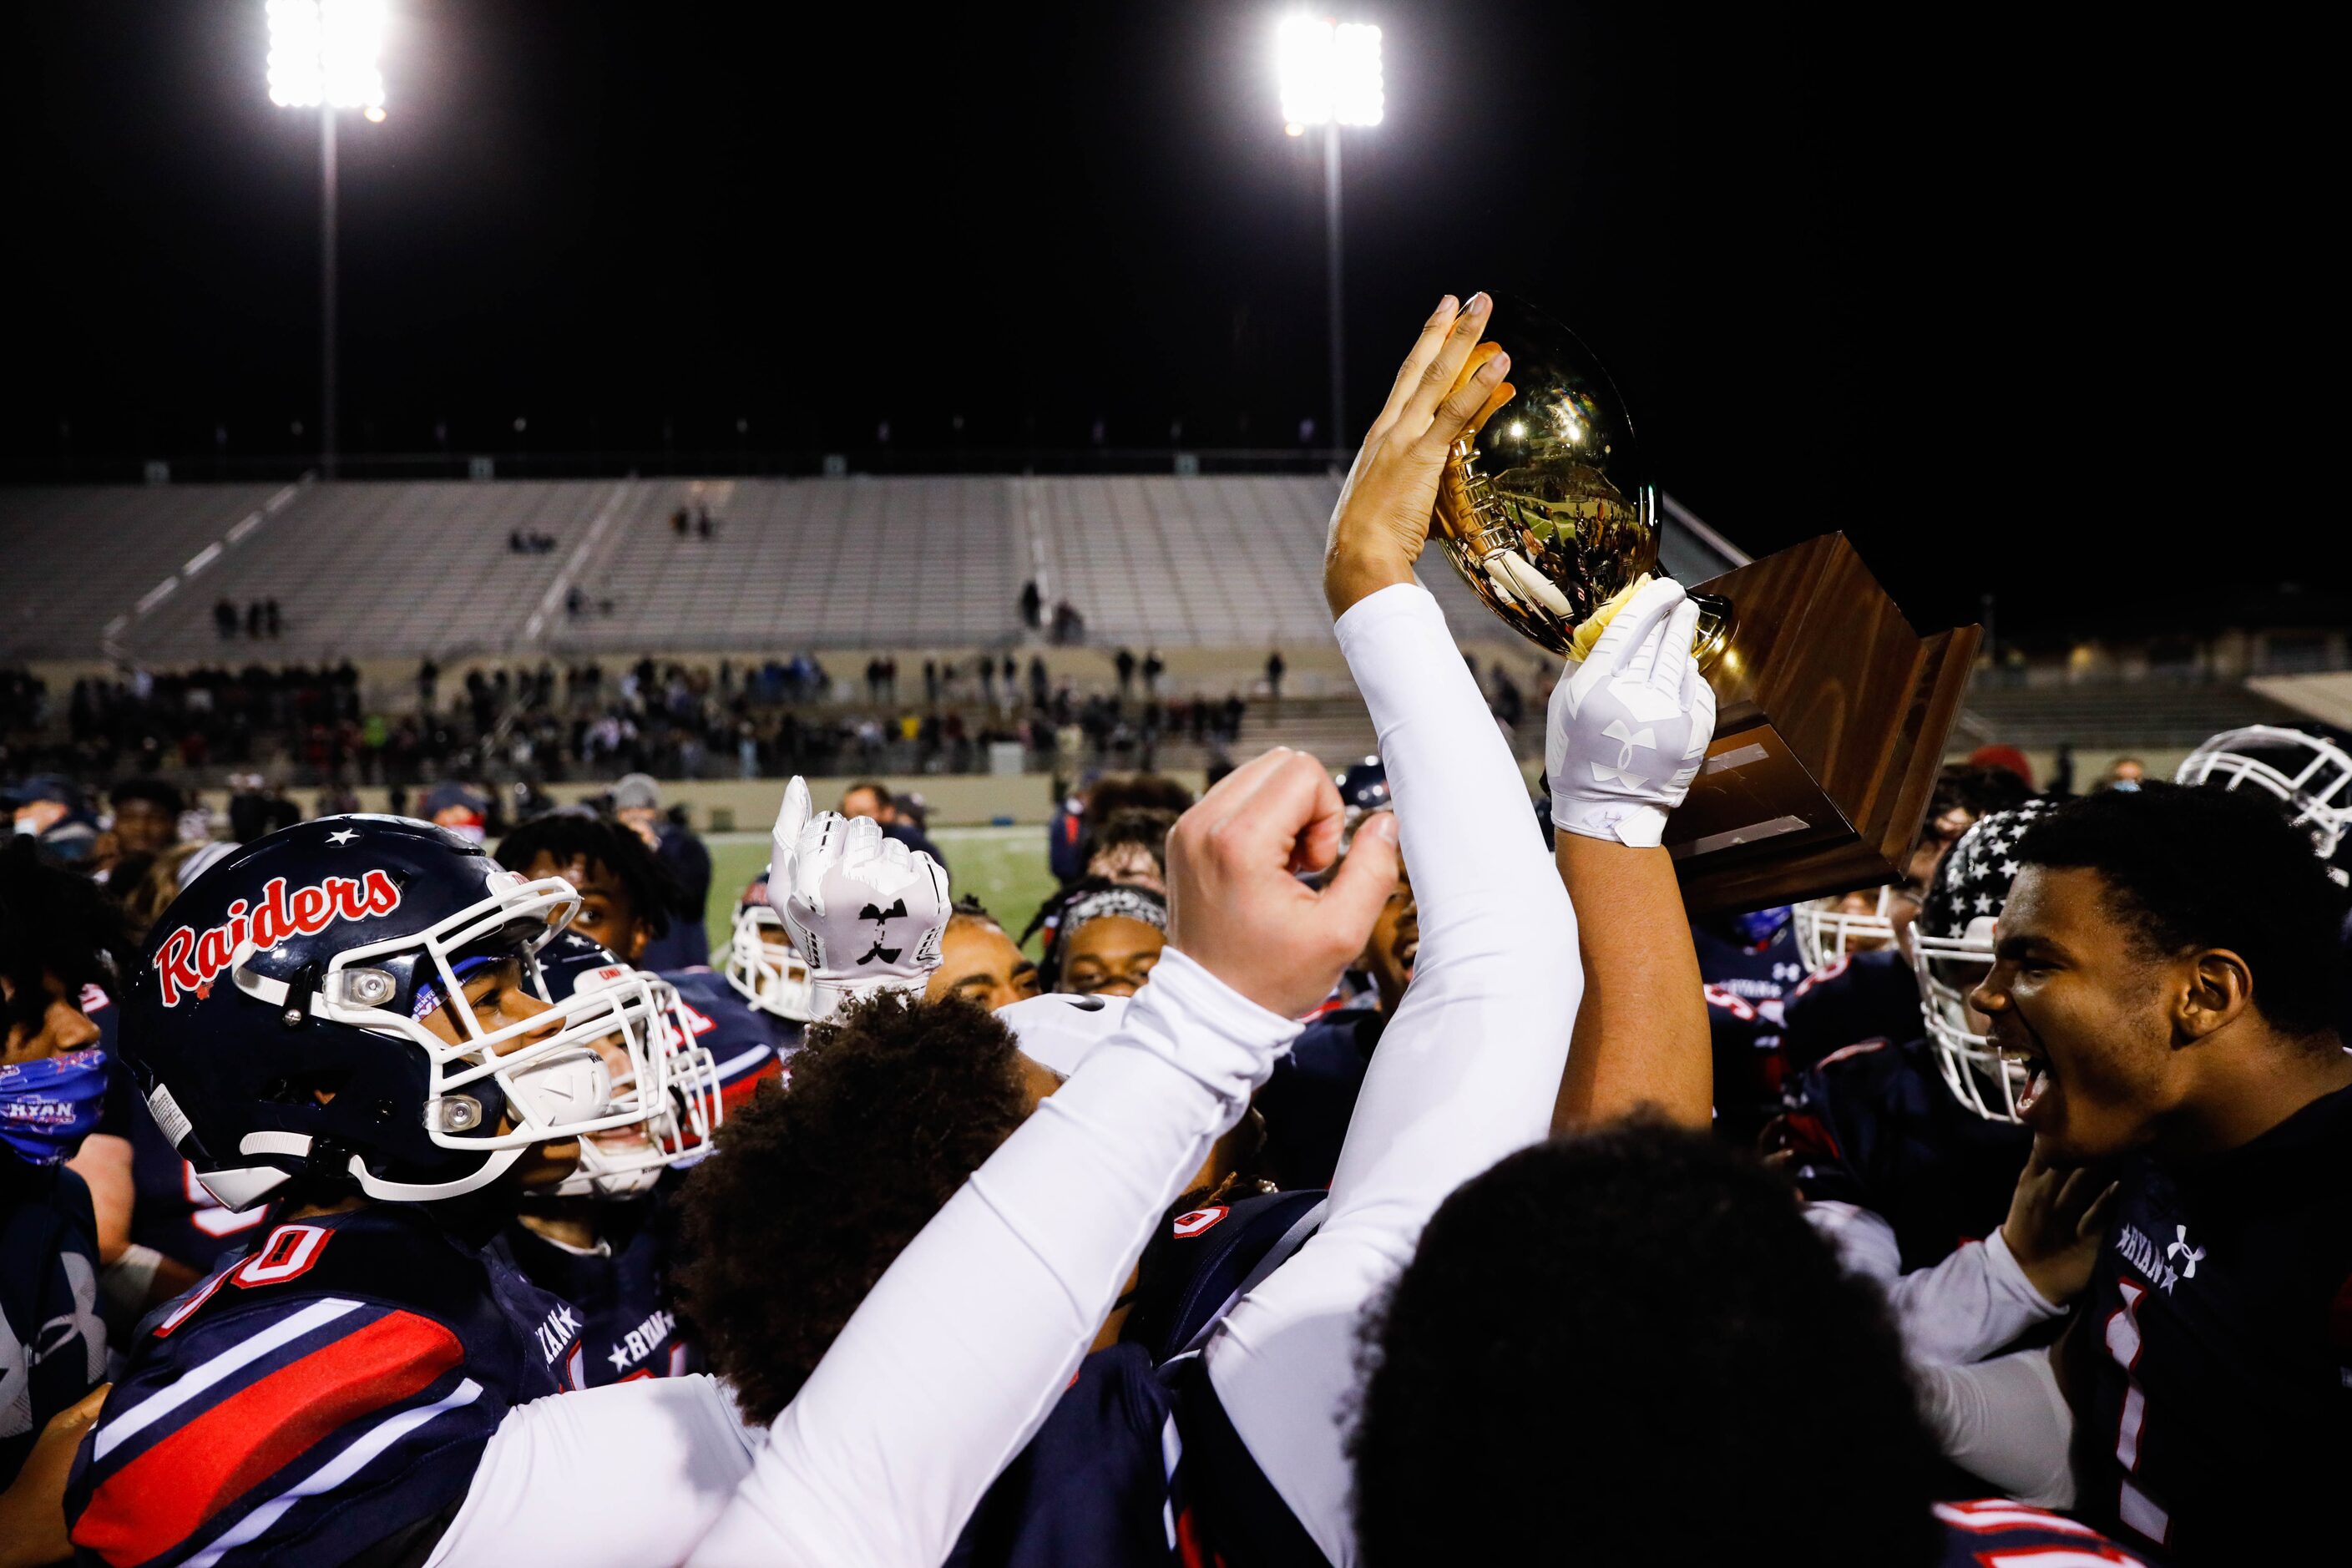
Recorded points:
(547, 724)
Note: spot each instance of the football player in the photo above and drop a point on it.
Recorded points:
(1468, 1069)
(2307, 773)
(1857, 983)
(601, 1240)
(763, 969)
(1102, 938)
(1498, 1436)
(1920, 1137)
(341, 1019)
(2163, 980)
(980, 962)
(626, 896)
(1749, 963)
(59, 935)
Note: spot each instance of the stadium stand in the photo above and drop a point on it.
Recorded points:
(80, 556)
(398, 570)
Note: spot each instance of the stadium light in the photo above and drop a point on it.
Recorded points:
(1329, 72)
(324, 54)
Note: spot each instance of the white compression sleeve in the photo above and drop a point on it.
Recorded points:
(628, 1475)
(1467, 1073)
(1968, 1306)
(1961, 1309)
(957, 1355)
(2006, 1421)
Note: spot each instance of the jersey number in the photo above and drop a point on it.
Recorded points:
(2133, 1506)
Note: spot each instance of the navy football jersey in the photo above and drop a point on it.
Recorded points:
(52, 1342)
(2211, 1358)
(325, 1398)
(1746, 985)
(1994, 1532)
(1861, 997)
(749, 1047)
(1310, 1097)
(1137, 1463)
(628, 1328)
(1875, 1125)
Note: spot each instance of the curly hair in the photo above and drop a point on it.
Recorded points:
(812, 1192)
(54, 922)
(1635, 1331)
(565, 836)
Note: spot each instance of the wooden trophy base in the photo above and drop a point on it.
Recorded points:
(1831, 718)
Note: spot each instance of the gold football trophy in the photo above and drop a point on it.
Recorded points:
(1831, 711)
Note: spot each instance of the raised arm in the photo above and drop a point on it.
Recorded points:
(956, 1356)
(1468, 1069)
(1625, 734)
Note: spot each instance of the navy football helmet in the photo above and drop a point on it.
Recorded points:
(679, 1093)
(1951, 952)
(301, 1011)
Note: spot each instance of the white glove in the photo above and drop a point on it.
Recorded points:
(1628, 726)
(864, 910)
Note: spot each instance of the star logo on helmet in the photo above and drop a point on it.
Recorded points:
(343, 838)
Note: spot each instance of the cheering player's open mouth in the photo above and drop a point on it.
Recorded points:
(2020, 1047)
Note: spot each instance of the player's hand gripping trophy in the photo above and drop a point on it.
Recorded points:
(1829, 712)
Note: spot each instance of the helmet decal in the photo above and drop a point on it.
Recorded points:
(189, 961)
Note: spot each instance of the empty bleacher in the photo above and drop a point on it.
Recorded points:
(399, 569)
(73, 558)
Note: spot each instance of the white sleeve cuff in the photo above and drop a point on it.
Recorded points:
(2006, 1274)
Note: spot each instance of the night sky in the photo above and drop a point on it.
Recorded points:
(2018, 311)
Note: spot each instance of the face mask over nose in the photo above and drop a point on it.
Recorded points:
(48, 1107)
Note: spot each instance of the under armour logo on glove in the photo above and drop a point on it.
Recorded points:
(1639, 690)
(1647, 739)
(842, 887)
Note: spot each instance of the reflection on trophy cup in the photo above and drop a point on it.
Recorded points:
(1831, 711)
(1543, 509)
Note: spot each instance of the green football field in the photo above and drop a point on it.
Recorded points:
(1004, 867)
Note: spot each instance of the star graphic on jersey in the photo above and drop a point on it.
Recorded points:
(619, 1358)
(345, 836)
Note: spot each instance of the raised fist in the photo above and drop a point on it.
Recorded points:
(864, 910)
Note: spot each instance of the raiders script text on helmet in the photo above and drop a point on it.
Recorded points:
(188, 961)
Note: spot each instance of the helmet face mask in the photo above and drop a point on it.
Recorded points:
(309, 1017)
(2310, 774)
(764, 966)
(674, 1094)
(1951, 950)
(1826, 933)
(1975, 1069)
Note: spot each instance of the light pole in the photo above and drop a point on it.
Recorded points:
(323, 55)
(1331, 76)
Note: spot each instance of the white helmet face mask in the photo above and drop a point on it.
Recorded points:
(1976, 1071)
(762, 965)
(677, 1095)
(2310, 773)
(1826, 933)
(553, 1078)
